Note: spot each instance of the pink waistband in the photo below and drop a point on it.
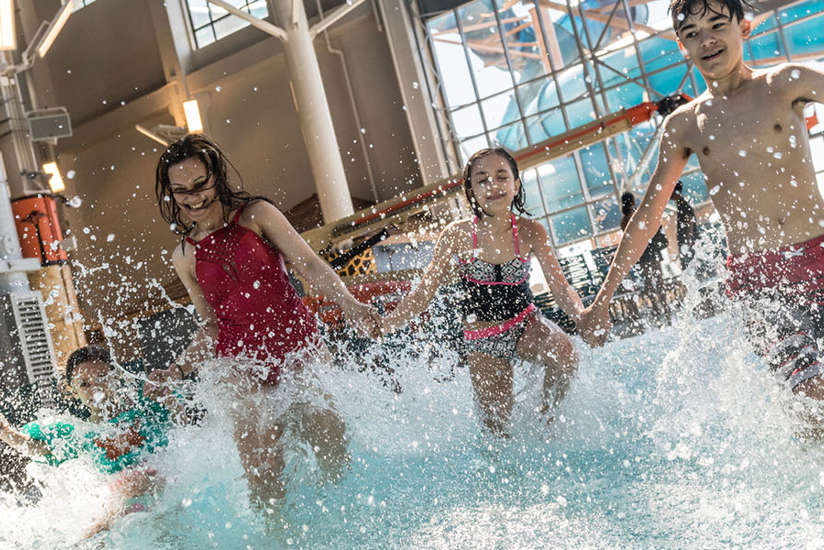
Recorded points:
(495, 330)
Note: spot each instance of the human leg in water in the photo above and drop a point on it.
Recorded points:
(544, 343)
(325, 431)
(492, 383)
(258, 440)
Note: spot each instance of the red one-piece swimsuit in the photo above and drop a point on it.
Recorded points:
(259, 313)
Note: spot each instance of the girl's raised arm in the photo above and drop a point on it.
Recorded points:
(566, 296)
(436, 274)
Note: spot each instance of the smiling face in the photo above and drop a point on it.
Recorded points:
(193, 189)
(94, 383)
(493, 184)
(713, 39)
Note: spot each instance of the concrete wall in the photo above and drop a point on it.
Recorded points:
(109, 69)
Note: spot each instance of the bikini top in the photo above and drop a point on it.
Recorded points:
(494, 292)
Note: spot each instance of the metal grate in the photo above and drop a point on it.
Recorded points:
(35, 341)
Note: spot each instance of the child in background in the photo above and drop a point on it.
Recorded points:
(129, 427)
(490, 254)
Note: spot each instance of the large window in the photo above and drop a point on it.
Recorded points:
(211, 23)
(517, 72)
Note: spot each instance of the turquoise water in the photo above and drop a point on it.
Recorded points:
(674, 439)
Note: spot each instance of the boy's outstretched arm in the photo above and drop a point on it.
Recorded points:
(568, 299)
(21, 442)
(672, 157)
(435, 275)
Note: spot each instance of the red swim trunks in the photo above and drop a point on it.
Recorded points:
(785, 317)
(794, 270)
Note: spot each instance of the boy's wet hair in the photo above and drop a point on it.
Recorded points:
(216, 163)
(520, 197)
(87, 354)
(681, 9)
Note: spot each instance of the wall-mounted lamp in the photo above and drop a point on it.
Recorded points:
(56, 180)
(54, 28)
(192, 112)
(8, 39)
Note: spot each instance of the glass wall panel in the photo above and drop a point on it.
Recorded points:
(571, 225)
(532, 194)
(522, 59)
(211, 23)
(560, 184)
(606, 213)
(596, 170)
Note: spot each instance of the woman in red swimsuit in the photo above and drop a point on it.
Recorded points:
(231, 262)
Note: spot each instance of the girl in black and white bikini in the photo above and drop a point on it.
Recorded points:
(490, 254)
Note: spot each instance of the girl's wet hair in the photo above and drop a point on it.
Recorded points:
(517, 202)
(216, 163)
(681, 9)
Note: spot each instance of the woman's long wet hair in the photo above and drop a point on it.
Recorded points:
(517, 202)
(217, 164)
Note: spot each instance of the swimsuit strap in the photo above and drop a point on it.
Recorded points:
(236, 217)
(475, 233)
(515, 236)
(234, 221)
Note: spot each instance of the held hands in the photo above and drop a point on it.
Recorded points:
(364, 318)
(594, 324)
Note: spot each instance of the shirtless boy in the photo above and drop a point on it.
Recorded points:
(750, 137)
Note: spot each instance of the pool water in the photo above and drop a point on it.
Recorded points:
(673, 439)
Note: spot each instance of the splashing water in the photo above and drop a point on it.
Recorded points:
(688, 448)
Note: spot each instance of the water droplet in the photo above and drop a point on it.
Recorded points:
(218, 89)
(742, 153)
(795, 74)
(109, 237)
(715, 190)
